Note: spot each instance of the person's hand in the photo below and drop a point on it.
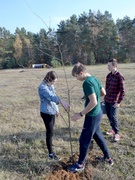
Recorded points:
(64, 104)
(116, 105)
(58, 114)
(76, 116)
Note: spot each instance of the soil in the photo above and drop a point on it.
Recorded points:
(59, 170)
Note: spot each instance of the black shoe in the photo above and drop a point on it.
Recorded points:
(53, 157)
(105, 160)
(75, 168)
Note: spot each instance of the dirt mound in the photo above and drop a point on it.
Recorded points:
(59, 170)
(62, 174)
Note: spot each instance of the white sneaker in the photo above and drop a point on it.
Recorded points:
(116, 137)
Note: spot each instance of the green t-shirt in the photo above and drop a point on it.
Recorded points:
(92, 85)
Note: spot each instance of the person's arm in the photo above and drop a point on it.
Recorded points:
(107, 82)
(122, 89)
(64, 104)
(46, 95)
(91, 104)
(102, 92)
(88, 108)
(121, 92)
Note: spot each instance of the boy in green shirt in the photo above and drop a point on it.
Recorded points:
(91, 129)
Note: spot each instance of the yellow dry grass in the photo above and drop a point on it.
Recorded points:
(23, 153)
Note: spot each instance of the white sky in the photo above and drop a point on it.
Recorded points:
(21, 13)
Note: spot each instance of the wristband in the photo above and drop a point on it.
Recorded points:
(81, 114)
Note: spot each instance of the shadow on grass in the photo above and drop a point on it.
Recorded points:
(29, 137)
(18, 151)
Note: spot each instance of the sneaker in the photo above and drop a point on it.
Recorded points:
(75, 168)
(111, 132)
(116, 137)
(53, 156)
(107, 161)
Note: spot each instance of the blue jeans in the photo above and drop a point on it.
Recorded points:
(112, 116)
(91, 129)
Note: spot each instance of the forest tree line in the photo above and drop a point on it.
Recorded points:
(89, 38)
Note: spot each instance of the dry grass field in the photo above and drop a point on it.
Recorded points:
(23, 153)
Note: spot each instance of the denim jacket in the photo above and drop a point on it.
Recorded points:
(48, 99)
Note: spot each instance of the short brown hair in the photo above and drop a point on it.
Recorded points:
(113, 61)
(50, 76)
(78, 68)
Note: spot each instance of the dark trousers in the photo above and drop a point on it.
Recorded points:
(112, 116)
(91, 130)
(49, 121)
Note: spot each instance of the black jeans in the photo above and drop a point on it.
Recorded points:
(91, 129)
(112, 116)
(49, 121)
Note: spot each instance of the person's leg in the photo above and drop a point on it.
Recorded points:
(90, 125)
(114, 119)
(85, 140)
(49, 121)
(112, 116)
(108, 112)
(99, 138)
